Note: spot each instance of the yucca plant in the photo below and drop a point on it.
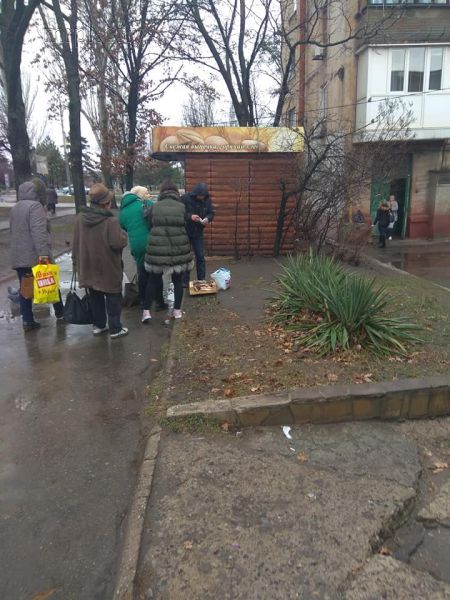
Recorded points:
(332, 309)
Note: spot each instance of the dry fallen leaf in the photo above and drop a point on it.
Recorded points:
(439, 466)
(255, 389)
(332, 377)
(45, 595)
(228, 393)
(385, 551)
(302, 457)
(188, 545)
(368, 377)
(225, 426)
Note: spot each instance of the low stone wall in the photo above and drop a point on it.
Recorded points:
(402, 399)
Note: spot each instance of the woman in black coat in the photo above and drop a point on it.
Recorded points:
(383, 220)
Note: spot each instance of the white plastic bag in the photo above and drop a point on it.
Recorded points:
(222, 277)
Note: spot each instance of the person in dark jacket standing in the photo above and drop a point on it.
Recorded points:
(199, 213)
(98, 241)
(52, 199)
(383, 220)
(168, 249)
(31, 241)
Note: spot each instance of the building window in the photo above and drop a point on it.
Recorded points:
(397, 70)
(435, 79)
(416, 69)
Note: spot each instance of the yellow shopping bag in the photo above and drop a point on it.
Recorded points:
(46, 283)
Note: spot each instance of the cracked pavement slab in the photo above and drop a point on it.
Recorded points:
(264, 516)
(387, 578)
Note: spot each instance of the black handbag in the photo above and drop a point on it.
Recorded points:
(77, 311)
(131, 294)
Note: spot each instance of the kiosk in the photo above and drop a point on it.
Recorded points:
(251, 174)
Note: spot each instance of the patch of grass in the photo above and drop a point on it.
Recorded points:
(190, 424)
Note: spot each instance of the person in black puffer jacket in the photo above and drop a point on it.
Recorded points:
(199, 213)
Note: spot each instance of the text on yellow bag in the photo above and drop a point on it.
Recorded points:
(46, 284)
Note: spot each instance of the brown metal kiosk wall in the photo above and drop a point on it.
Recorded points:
(246, 193)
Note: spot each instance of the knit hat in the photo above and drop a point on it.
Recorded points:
(100, 194)
(140, 191)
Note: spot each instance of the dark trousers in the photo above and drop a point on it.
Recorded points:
(106, 305)
(382, 239)
(154, 283)
(26, 305)
(143, 283)
(199, 251)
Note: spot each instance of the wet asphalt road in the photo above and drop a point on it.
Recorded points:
(70, 443)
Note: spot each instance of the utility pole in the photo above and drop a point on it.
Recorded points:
(66, 162)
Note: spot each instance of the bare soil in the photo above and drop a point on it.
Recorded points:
(226, 345)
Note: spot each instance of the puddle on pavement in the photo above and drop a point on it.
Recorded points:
(434, 266)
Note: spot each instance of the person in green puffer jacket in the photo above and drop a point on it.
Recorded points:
(132, 220)
(168, 249)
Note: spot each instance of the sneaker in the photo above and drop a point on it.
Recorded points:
(390, 238)
(177, 313)
(121, 333)
(99, 330)
(31, 326)
(146, 316)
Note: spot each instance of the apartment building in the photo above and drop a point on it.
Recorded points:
(374, 50)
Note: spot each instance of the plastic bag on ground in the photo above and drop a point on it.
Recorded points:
(222, 277)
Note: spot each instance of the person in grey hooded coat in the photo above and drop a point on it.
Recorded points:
(31, 241)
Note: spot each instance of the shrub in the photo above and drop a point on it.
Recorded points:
(331, 309)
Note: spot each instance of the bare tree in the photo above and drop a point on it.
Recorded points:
(245, 40)
(199, 110)
(66, 43)
(136, 37)
(15, 17)
(335, 168)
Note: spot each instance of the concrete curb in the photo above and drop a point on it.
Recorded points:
(388, 400)
(129, 559)
(133, 536)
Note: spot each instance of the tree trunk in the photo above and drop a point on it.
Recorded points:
(133, 100)
(76, 148)
(14, 21)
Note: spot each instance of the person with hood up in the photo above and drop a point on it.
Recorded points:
(132, 218)
(383, 219)
(168, 250)
(98, 241)
(199, 213)
(31, 241)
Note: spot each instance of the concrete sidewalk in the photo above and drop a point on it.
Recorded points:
(259, 514)
(70, 448)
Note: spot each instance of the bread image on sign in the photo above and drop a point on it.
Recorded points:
(227, 139)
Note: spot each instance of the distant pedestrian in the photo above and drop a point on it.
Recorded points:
(52, 199)
(383, 220)
(199, 213)
(393, 204)
(31, 241)
(168, 250)
(98, 241)
(132, 218)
